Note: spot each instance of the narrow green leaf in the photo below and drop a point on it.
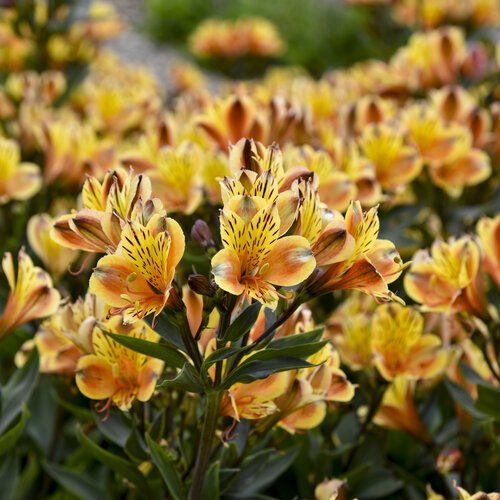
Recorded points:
(114, 428)
(211, 487)
(488, 400)
(118, 464)
(297, 339)
(165, 462)
(135, 447)
(187, 380)
(250, 370)
(76, 482)
(168, 354)
(8, 476)
(166, 329)
(243, 323)
(463, 398)
(18, 390)
(261, 469)
(297, 351)
(219, 355)
(9, 439)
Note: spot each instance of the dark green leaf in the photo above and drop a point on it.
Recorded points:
(114, 427)
(249, 370)
(261, 470)
(18, 390)
(170, 355)
(243, 323)
(165, 462)
(219, 355)
(470, 374)
(8, 476)
(211, 488)
(463, 398)
(298, 351)
(136, 447)
(187, 380)
(488, 400)
(9, 439)
(77, 482)
(375, 483)
(297, 339)
(118, 464)
(166, 329)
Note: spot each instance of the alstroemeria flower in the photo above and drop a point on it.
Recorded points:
(66, 336)
(137, 280)
(372, 265)
(448, 279)
(31, 295)
(54, 256)
(400, 347)
(107, 205)
(488, 231)
(116, 373)
(304, 405)
(255, 258)
(396, 162)
(398, 410)
(18, 181)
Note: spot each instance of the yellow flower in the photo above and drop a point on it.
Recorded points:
(116, 373)
(447, 279)
(330, 489)
(18, 181)
(396, 163)
(137, 280)
(66, 336)
(398, 410)
(254, 257)
(107, 205)
(371, 265)
(31, 296)
(488, 231)
(400, 347)
(54, 256)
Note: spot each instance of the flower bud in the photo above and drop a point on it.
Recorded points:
(202, 235)
(449, 460)
(201, 285)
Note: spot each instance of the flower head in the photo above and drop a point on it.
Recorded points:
(31, 295)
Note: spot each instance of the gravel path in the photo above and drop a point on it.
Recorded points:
(134, 47)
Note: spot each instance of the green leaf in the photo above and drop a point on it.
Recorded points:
(166, 329)
(211, 487)
(165, 462)
(18, 390)
(114, 427)
(488, 400)
(118, 464)
(76, 482)
(187, 380)
(170, 355)
(261, 469)
(243, 323)
(298, 351)
(463, 398)
(135, 447)
(219, 355)
(8, 476)
(251, 370)
(297, 339)
(9, 439)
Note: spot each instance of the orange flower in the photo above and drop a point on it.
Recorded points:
(116, 373)
(55, 257)
(31, 296)
(448, 279)
(254, 257)
(137, 280)
(18, 181)
(400, 347)
(488, 231)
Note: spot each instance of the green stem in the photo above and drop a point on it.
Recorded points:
(214, 399)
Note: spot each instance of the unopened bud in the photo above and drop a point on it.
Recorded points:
(202, 235)
(201, 285)
(449, 460)
(331, 489)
